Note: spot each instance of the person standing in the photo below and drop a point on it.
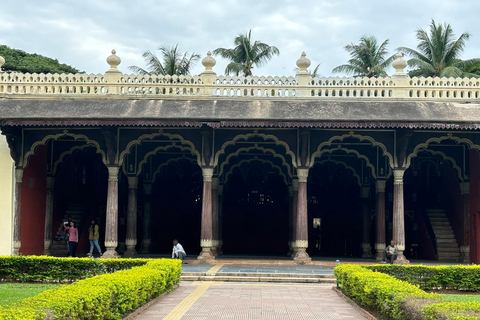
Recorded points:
(93, 236)
(178, 252)
(67, 235)
(72, 239)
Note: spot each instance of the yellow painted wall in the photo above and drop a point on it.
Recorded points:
(6, 198)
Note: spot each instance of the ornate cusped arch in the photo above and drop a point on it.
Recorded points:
(259, 160)
(165, 148)
(65, 133)
(166, 164)
(449, 136)
(351, 134)
(255, 147)
(67, 153)
(247, 136)
(351, 151)
(452, 161)
(346, 166)
(152, 136)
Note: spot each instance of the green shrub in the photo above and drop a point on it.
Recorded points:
(452, 311)
(108, 296)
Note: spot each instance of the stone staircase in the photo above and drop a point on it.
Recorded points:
(447, 246)
(76, 210)
(255, 277)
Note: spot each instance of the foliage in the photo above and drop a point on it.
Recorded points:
(20, 61)
(438, 53)
(173, 62)
(246, 54)
(461, 297)
(435, 277)
(108, 296)
(452, 311)
(51, 269)
(13, 292)
(368, 59)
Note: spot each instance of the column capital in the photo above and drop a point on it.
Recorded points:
(19, 174)
(113, 172)
(380, 185)
(465, 188)
(50, 182)
(132, 182)
(302, 174)
(207, 174)
(398, 176)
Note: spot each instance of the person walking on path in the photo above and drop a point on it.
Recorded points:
(72, 239)
(93, 236)
(178, 252)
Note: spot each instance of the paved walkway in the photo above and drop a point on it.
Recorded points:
(219, 300)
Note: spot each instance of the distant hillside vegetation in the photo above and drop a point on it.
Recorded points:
(20, 61)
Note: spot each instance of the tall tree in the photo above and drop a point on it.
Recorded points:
(246, 54)
(20, 61)
(368, 59)
(172, 62)
(438, 53)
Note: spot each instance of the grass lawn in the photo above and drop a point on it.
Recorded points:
(462, 297)
(13, 292)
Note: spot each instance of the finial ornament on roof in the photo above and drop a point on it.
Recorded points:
(209, 62)
(2, 62)
(399, 64)
(303, 63)
(113, 60)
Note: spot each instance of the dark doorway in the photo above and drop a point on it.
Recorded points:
(334, 211)
(255, 210)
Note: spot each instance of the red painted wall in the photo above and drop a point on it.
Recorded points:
(455, 205)
(34, 186)
(474, 203)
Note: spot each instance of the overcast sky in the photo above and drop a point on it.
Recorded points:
(82, 33)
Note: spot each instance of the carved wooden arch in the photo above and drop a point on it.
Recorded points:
(67, 153)
(346, 166)
(260, 160)
(449, 159)
(356, 153)
(151, 136)
(449, 136)
(164, 148)
(166, 164)
(251, 135)
(90, 142)
(255, 147)
(351, 134)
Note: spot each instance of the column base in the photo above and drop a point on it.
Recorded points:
(380, 251)
(465, 250)
(301, 256)
(367, 250)
(401, 259)
(146, 246)
(16, 248)
(130, 252)
(47, 248)
(206, 255)
(110, 254)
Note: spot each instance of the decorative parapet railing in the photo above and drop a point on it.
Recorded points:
(113, 84)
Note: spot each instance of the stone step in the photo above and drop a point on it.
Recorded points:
(259, 278)
(446, 239)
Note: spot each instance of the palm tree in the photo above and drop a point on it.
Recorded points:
(173, 62)
(245, 55)
(368, 59)
(439, 53)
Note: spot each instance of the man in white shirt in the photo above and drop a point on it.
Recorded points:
(178, 252)
(391, 252)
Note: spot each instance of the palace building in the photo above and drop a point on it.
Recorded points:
(295, 166)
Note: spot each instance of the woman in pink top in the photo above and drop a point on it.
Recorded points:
(73, 239)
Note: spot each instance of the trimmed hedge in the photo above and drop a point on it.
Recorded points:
(108, 296)
(435, 277)
(392, 298)
(453, 311)
(51, 269)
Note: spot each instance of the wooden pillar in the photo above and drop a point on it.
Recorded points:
(18, 211)
(294, 216)
(220, 219)
(398, 215)
(465, 245)
(47, 236)
(111, 228)
(147, 214)
(131, 239)
(215, 221)
(366, 247)
(206, 241)
(380, 241)
(301, 235)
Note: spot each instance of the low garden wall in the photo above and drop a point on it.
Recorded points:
(103, 296)
(396, 299)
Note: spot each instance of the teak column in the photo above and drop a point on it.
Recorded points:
(215, 220)
(206, 241)
(147, 213)
(17, 243)
(111, 228)
(47, 236)
(131, 239)
(380, 221)
(465, 246)
(294, 218)
(301, 235)
(398, 215)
